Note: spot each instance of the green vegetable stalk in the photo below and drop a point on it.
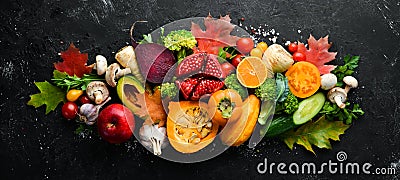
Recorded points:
(63, 80)
(267, 93)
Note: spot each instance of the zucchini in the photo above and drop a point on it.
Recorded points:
(308, 108)
(279, 125)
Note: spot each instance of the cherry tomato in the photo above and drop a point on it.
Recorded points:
(236, 60)
(69, 110)
(227, 68)
(84, 99)
(262, 45)
(245, 45)
(298, 56)
(293, 47)
(257, 52)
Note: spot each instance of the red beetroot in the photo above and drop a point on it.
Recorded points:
(154, 61)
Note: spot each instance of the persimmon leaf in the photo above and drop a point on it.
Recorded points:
(316, 133)
(74, 62)
(49, 95)
(318, 54)
(217, 34)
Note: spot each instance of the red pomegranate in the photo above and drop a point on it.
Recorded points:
(199, 74)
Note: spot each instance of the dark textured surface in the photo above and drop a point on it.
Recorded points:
(37, 146)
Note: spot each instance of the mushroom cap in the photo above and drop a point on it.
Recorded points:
(337, 91)
(110, 74)
(97, 86)
(350, 81)
(328, 81)
(101, 64)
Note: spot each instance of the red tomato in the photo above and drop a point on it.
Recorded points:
(69, 110)
(236, 60)
(293, 47)
(298, 56)
(245, 45)
(84, 99)
(227, 68)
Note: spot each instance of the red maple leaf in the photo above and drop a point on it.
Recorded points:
(74, 62)
(317, 53)
(217, 34)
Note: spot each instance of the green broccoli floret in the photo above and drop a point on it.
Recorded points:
(291, 104)
(231, 82)
(169, 90)
(179, 39)
(267, 90)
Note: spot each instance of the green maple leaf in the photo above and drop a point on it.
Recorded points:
(316, 133)
(49, 95)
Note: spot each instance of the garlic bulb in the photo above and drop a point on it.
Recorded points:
(88, 113)
(154, 137)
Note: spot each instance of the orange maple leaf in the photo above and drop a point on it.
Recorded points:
(317, 53)
(217, 34)
(74, 62)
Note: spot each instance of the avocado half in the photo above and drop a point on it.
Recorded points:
(128, 89)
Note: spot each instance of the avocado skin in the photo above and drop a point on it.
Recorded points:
(132, 81)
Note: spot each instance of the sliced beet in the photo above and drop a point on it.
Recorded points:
(154, 61)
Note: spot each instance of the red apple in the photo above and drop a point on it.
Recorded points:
(116, 123)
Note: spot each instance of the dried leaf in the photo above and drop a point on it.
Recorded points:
(74, 62)
(49, 95)
(317, 53)
(216, 36)
(315, 133)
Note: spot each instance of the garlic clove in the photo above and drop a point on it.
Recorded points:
(88, 113)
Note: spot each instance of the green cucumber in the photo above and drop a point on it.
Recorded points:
(279, 125)
(308, 108)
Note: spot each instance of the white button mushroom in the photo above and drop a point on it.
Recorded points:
(351, 82)
(100, 65)
(97, 91)
(328, 81)
(114, 72)
(338, 95)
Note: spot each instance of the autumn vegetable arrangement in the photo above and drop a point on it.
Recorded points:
(188, 88)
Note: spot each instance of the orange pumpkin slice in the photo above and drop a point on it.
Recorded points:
(189, 127)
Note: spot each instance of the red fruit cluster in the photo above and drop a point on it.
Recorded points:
(199, 74)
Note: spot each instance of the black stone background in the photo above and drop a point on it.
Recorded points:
(35, 146)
